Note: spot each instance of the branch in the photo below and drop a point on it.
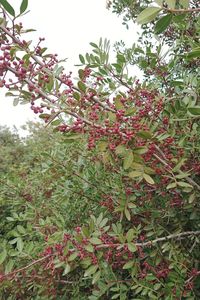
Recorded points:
(28, 81)
(158, 240)
(46, 70)
(182, 11)
(170, 237)
(26, 267)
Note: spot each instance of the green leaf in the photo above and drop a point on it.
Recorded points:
(128, 160)
(21, 229)
(94, 45)
(91, 270)
(171, 185)
(73, 256)
(2, 20)
(44, 116)
(96, 277)
(148, 14)
(9, 266)
(67, 269)
(120, 149)
(82, 86)
(95, 241)
(130, 235)
(132, 247)
(128, 265)
(8, 7)
(162, 24)
(127, 214)
(89, 248)
(56, 122)
(15, 101)
(130, 111)
(171, 3)
(157, 286)
(179, 165)
(20, 244)
(135, 174)
(115, 296)
(23, 6)
(131, 205)
(195, 53)
(82, 59)
(3, 255)
(148, 179)
(184, 184)
(59, 71)
(118, 104)
(121, 58)
(50, 84)
(144, 134)
(194, 110)
(140, 150)
(76, 95)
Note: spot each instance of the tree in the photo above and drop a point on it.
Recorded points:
(127, 167)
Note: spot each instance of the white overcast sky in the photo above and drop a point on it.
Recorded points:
(68, 27)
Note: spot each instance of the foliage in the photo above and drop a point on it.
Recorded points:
(107, 204)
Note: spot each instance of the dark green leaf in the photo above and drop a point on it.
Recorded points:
(76, 95)
(8, 7)
(82, 59)
(162, 24)
(23, 6)
(94, 45)
(195, 53)
(194, 110)
(82, 86)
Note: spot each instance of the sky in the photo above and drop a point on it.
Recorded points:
(68, 27)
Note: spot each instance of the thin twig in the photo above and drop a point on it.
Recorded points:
(27, 266)
(182, 10)
(155, 241)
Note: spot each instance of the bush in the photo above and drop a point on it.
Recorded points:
(110, 206)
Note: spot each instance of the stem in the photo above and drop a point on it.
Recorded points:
(27, 267)
(181, 10)
(35, 58)
(158, 240)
